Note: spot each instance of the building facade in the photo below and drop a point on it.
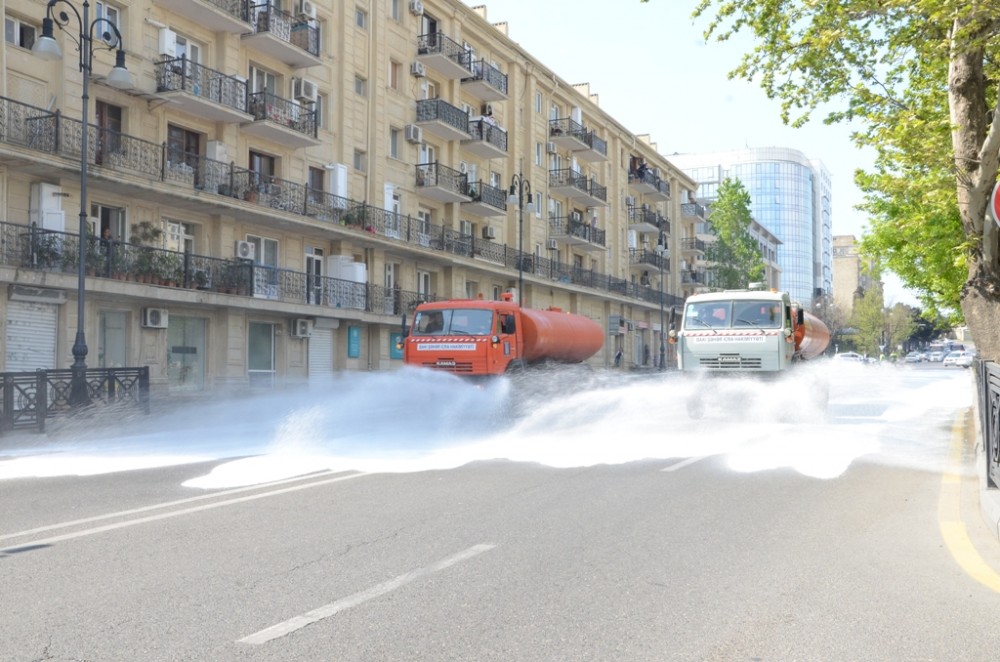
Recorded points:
(279, 185)
(852, 275)
(790, 196)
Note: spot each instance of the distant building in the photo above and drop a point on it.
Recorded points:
(852, 276)
(790, 196)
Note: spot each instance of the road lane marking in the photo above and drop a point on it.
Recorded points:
(684, 463)
(310, 617)
(175, 513)
(167, 504)
(953, 529)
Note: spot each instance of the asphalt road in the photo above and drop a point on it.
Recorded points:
(673, 558)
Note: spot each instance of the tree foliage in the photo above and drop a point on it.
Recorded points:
(736, 256)
(919, 77)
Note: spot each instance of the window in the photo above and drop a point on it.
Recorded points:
(316, 185)
(394, 135)
(424, 283)
(103, 217)
(360, 86)
(394, 10)
(180, 236)
(320, 108)
(465, 228)
(263, 166)
(471, 289)
(394, 74)
(538, 154)
(538, 102)
(19, 32)
(112, 15)
(360, 160)
(260, 354)
(361, 18)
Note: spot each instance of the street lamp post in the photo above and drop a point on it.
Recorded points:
(47, 48)
(519, 189)
(661, 252)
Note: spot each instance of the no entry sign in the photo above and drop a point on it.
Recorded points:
(995, 203)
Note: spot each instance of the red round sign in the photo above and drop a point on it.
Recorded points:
(995, 202)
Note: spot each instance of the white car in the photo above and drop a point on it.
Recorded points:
(950, 358)
(850, 357)
(935, 356)
(964, 359)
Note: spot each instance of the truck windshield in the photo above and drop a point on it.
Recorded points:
(453, 322)
(756, 314)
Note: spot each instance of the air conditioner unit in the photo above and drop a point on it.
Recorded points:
(487, 109)
(630, 201)
(302, 328)
(552, 245)
(414, 133)
(418, 69)
(463, 167)
(305, 90)
(416, 7)
(307, 9)
(550, 148)
(154, 318)
(245, 250)
(489, 233)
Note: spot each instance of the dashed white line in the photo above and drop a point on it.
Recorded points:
(684, 463)
(310, 617)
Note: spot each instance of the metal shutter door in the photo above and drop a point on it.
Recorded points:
(31, 336)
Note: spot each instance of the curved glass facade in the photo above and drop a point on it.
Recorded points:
(790, 196)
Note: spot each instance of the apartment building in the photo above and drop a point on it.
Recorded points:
(278, 186)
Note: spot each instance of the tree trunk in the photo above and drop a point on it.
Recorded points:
(976, 158)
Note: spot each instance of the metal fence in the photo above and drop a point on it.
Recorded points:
(28, 399)
(988, 380)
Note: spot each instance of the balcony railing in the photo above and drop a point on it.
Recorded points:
(486, 82)
(180, 74)
(285, 27)
(442, 183)
(487, 139)
(30, 129)
(272, 108)
(491, 199)
(444, 55)
(573, 227)
(693, 210)
(645, 256)
(443, 119)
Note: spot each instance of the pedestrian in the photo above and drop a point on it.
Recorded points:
(618, 357)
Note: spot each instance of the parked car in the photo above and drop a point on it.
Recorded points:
(914, 357)
(851, 357)
(965, 359)
(935, 356)
(950, 358)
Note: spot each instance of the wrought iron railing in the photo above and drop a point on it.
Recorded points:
(271, 107)
(286, 27)
(437, 43)
(441, 176)
(180, 74)
(693, 210)
(486, 72)
(486, 131)
(564, 126)
(438, 110)
(487, 194)
(28, 399)
(43, 131)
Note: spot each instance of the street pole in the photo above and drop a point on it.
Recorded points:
(518, 186)
(661, 250)
(47, 48)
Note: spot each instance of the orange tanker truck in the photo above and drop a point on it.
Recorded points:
(479, 338)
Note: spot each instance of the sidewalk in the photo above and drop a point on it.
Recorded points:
(989, 498)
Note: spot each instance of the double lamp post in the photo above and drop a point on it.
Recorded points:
(520, 194)
(47, 48)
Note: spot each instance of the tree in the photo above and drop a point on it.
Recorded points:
(899, 326)
(920, 78)
(736, 256)
(869, 322)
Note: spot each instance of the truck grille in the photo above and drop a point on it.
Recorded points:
(458, 367)
(731, 362)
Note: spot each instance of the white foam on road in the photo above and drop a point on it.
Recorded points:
(412, 420)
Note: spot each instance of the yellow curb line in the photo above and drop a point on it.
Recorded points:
(953, 530)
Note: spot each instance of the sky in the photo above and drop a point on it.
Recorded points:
(655, 74)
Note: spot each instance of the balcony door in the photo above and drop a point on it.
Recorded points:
(108, 118)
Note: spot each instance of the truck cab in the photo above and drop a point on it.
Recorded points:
(466, 337)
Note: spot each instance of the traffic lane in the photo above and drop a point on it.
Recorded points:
(606, 563)
(35, 502)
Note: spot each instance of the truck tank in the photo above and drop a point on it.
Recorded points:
(811, 337)
(553, 335)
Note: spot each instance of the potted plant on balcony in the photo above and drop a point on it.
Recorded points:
(146, 235)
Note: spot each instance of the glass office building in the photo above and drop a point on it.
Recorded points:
(790, 196)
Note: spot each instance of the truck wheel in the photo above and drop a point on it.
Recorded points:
(696, 407)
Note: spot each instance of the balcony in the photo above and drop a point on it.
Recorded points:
(644, 219)
(573, 230)
(643, 259)
(282, 120)
(693, 246)
(488, 140)
(442, 183)
(444, 55)
(576, 186)
(203, 92)
(283, 36)
(692, 211)
(442, 119)
(486, 200)
(584, 144)
(648, 183)
(487, 83)
(217, 15)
